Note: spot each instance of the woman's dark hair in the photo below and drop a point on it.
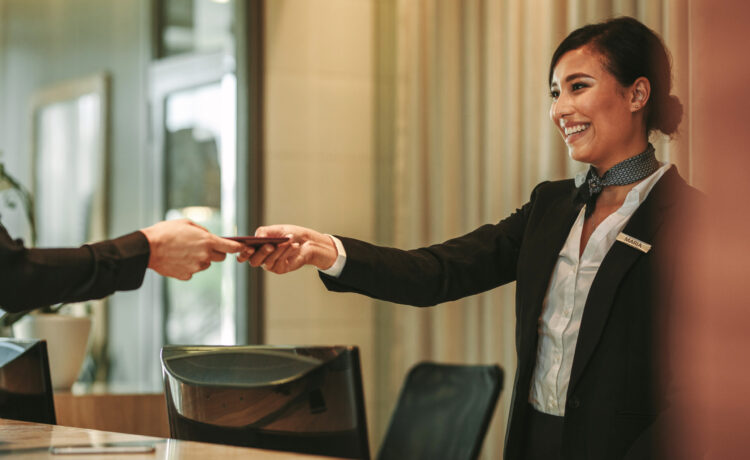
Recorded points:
(631, 50)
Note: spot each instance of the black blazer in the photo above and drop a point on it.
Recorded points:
(612, 398)
(31, 278)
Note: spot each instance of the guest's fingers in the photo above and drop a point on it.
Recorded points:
(217, 256)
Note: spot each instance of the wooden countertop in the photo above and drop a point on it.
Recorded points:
(26, 441)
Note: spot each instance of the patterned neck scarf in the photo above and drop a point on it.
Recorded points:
(623, 173)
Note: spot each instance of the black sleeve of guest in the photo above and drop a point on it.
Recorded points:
(478, 261)
(31, 278)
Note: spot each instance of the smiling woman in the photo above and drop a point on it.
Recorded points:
(620, 88)
(601, 121)
(587, 255)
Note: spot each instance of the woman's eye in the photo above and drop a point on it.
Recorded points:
(554, 94)
(577, 86)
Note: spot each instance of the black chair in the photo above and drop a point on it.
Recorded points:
(25, 385)
(298, 399)
(443, 412)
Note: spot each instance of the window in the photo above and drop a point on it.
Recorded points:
(194, 115)
(195, 26)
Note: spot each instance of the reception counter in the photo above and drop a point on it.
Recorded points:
(113, 408)
(26, 441)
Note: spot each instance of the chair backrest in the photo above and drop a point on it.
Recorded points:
(298, 399)
(25, 385)
(443, 412)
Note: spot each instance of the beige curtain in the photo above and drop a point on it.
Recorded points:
(463, 135)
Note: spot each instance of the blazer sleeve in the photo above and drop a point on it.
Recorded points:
(478, 261)
(31, 278)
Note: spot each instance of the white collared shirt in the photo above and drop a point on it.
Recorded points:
(566, 296)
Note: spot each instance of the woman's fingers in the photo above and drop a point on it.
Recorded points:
(278, 252)
(305, 246)
(282, 265)
(298, 260)
(245, 254)
(277, 258)
(259, 258)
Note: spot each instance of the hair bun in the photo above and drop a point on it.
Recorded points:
(670, 115)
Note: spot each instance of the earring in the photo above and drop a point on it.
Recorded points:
(639, 98)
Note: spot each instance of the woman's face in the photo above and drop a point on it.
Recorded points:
(593, 112)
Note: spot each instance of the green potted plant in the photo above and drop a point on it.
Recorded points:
(67, 336)
(13, 193)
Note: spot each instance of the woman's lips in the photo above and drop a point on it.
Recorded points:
(573, 133)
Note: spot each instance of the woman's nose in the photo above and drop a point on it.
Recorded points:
(559, 108)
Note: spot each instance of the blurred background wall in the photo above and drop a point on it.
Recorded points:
(319, 161)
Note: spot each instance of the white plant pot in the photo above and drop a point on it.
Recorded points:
(67, 342)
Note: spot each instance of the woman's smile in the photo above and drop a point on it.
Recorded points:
(593, 111)
(575, 131)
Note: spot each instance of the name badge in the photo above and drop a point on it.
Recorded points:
(633, 242)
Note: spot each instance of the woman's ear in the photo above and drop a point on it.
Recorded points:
(639, 93)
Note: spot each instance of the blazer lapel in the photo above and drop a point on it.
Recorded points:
(555, 228)
(643, 225)
(544, 247)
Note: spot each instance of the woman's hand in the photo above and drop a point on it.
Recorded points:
(180, 248)
(305, 247)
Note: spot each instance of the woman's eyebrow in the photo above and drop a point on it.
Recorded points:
(577, 75)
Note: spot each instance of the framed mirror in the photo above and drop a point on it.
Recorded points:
(69, 139)
(69, 157)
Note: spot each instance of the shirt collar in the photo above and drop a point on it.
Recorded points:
(580, 178)
(638, 194)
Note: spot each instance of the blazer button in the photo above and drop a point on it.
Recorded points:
(574, 403)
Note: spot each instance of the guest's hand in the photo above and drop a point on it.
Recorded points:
(180, 248)
(305, 247)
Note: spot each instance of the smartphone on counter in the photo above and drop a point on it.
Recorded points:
(80, 449)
